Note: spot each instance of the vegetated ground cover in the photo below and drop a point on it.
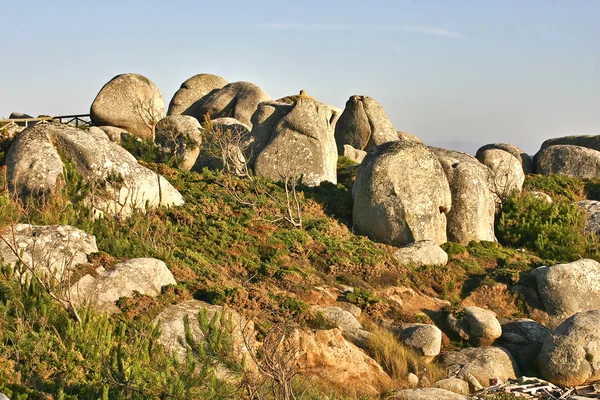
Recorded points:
(230, 245)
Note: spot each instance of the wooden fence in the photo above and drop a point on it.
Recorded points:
(76, 120)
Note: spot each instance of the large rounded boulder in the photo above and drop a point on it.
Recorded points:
(237, 100)
(180, 136)
(517, 152)
(193, 90)
(401, 195)
(484, 363)
(363, 125)
(568, 160)
(37, 158)
(570, 355)
(473, 206)
(302, 145)
(507, 173)
(129, 101)
(589, 141)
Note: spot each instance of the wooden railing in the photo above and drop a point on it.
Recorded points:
(76, 119)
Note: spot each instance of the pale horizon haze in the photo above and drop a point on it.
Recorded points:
(457, 74)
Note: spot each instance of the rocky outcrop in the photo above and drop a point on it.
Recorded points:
(353, 154)
(337, 362)
(566, 289)
(570, 356)
(172, 332)
(237, 100)
(589, 141)
(421, 253)
(506, 171)
(425, 339)
(120, 184)
(484, 363)
(129, 101)
(50, 249)
(471, 216)
(592, 215)
(453, 384)
(225, 147)
(264, 120)
(180, 136)
(568, 160)
(363, 125)
(192, 90)
(352, 330)
(524, 339)
(425, 394)
(145, 276)
(484, 327)
(301, 145)
(115, 134)
(401, 195)
(517, 152)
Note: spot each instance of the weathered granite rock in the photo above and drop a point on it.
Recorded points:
(592, 214)
(129, 101)
(484, 327)
(524, 339)
(237, 100)
(35, 167)
(517, 152)
(192, 90)
(568, 160)
(506, 171)
(145, 276)
(424, 338)
(302, 145)
(589, 141)
(353, 154)
(570, 355)
(363, 125)
(425, 394)
(454, 385)
(50, 249)
(180, 136)
(421, 253)
(484, 363)
(401, 195)
(566, 289)
(471, 216)
(225, 147)
(352, 330)
(114, 133)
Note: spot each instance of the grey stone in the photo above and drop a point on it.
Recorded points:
(233, 150)
(425, 394)
(129, 101)
(506, 172)
(484, 327)
(421, 253)
(568, 160)
(10, 130)
(145, 276)
(517, 152)
(50, 249)
(237, 100)
(302, 145)
(363, 125)
(570, 355)
(18, 115)
(589, 141)
(401, 195)
(453, 384)
(352, 330)
(193, 90)
(471, 216)
(351, 308)
(264, 120)
(353, 154)
(181, 136)
(524, 339)
(566, 289)
(424, 338)
(540, 195)
(592, 214)
(35, 167)
(484, 363)
(114, 133)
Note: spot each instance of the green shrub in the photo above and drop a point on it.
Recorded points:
(558, 187)
(453, 249)
(362, 297)
(555, 231)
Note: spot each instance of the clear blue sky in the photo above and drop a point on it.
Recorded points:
(471, 71)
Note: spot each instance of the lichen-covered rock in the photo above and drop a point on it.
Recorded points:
(517, 152)
(339, 363)
(129, 101)
(180, 136)
(264, 120)
(120, 185)
(484, 327)
(471, 216)
(353, 154)
(114, 133)
(566, 289)
(352, 330)
(363, 125)
(425, 394)
(145, 276)
(570, 355)
(592, 214)
(421, 253)
(568, 160)
(172, 332)
(302, 145)
(401, 195)
(484, 363)
(50, 249)
(424, 338)
(506, 171)
(524, 339)
(192, 90)
(225, 147)
(589, 141)
(237, 100)
(454, 385)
